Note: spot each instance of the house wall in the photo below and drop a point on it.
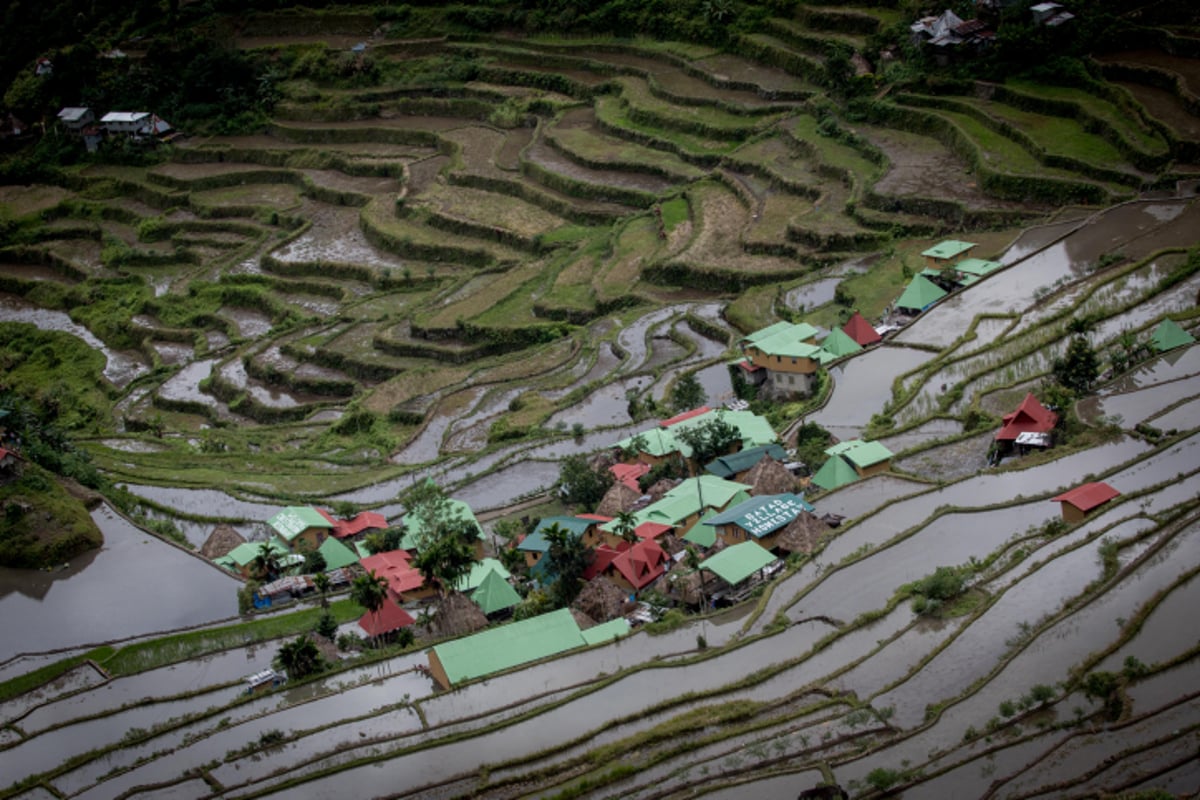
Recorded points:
(617, 578)
(414, 595)
(308, 539)
(592, 536)
(781, 363)
(874, 469)
(790, 382)
(1072, 514)
(732, 534)
(479, 554)
(437, 670)
(531, 558)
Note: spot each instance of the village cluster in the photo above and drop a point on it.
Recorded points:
(698, 542)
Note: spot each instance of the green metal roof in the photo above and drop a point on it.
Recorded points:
(859, 453)
(294, 520)
(701, 533)
(838, 343)
(742, 460)
(735, 564)
(920, 294)
(336, 554)
(494, 593)
(414, 526)
(948, 249)
(613, 629)
(1169, 335)
(977, 266)
(246, 552)
(537, 542)
(509, 645)
(797, 331)
(834, 473)
(479, 571)
(763, 514)
(657, 441)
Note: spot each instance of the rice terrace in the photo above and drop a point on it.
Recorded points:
(721, 399)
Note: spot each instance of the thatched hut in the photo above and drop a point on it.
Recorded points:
(685, 585)
(456, 616)
(221, 541)
(660, 488)
(618, 498)
(770, 477)
(803, 534)
(601, 600)
(582, 620)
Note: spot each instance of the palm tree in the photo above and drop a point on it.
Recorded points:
(299, 658)
(625, 525)
(370, 592)
(321, 581)
(266, 562)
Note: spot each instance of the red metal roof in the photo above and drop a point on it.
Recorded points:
(595, 517)
(1030, 417)
(861, 331)
(695, 412)
(601, 559)
(388, 618)
(628, 474)
(651, 530)
(366, 520)
(1088, 496)
(393, 567)
(642, 563)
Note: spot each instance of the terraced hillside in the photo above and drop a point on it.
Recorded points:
(468, 268)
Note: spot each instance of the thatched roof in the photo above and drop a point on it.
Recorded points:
(618, 498)
(671, 543)
(601, 600)
(456, 615)
(802, 534)
(683, 583)
(222, 539)
(582, 620)
(660, 488)
(770, 477)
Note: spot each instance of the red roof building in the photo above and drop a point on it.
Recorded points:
(345, 529)
(629, 474)
(1030, 417)
(390, 617)
(602, 558)
(861, 331)
(678, 418)
(1079, 501)
(651, 530)
(405, 582)
(640, 565)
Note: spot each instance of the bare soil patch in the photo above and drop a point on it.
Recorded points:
(21, 200)
(1186, 68)
(1166, 107)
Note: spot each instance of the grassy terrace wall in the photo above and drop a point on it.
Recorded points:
(999, 184)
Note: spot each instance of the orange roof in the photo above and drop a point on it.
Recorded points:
(388, 618)
(1088, 496)
(602, 557)
(394, 567)
(695, 412)
(861, 331)
(642, 563)
(365, 520)
(1030, 417)
(595, 517)
(651, 530)
(628, 474)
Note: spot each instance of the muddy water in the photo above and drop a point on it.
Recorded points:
(428, 443)
(501, 488)
(335, 236)
(250, 324)
(79, 606)
(120, 368)
(1051, 654)
(974, 492)
(185, 384)
(73, 680)
(922, 434)
(1182, 417)
(608, 405)
(1171, 629)
(811, 295)
(205, 502)
(868, 495)
(862, 385)
(234, 372)
(632, 337)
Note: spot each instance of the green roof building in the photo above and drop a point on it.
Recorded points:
(920, 294)
(414, 526)
(834, 473)
(735, 464)
(504, 647)
(241, 558)
(734, 564)
(943, 254)
(301, 527)
(659, 442)
(494, 593)
(336, 554)
(838, 344)
(613, 629)
(1169, 335)
(861, 455)
(479, 571)
(971, 270)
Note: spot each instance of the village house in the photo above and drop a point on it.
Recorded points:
(242, 559)
(848, 461)
(740, 568)
(494, 595)
(1050, 15)
(1169, 335)
(1031, 425)
(336, 554)
(861, 331)
(515, 644)
(663, 442)
(788, 354)
(919, 295)
(733, 467)
(130, 123)
(758, 519)
(385, 622)
(536, 545)
(971, 270)
(302, 528)
(946, 254)
(76, 118)
(1082, 500)
(362, 523)
(638, 566)
(838, 344)
(683, 505)
(405, 583)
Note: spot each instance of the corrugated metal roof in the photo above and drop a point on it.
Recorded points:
(509, 645)
(1088, 496)
(951, 247)
(735, 564)
(761, 515)
(336, 554)
(494, 593)
(613, 629)
(920, 294)
(834, 473)
(1169, 335)
(294, 520)
(479, 571)
(732, 464)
